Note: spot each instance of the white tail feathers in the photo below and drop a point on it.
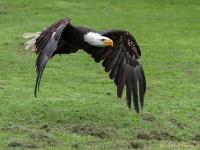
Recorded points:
(31, 42)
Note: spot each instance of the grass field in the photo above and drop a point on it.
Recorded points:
(77, 106)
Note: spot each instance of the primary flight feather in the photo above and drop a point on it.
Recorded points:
(117, 49)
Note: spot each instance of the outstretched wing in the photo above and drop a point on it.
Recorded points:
(46, 45)
(123, 64)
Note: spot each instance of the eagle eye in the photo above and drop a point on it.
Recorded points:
(103, 40)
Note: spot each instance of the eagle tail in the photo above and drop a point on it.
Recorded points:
(31, 42)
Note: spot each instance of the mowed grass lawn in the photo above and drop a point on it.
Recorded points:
(77, 106)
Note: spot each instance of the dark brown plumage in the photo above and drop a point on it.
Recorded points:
(121, 60)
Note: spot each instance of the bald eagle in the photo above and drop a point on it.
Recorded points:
(117, 49)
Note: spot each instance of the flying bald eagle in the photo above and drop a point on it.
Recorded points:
(117, 49)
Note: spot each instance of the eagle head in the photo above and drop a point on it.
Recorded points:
(98, 40)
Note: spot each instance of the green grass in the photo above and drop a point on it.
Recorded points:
(77, 107)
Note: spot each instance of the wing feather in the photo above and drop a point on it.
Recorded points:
(122, 61)
(133, 81)
(113, 60)
(123, 78)
(104, 54)
(108, 59)
(142, 86)
(116, 67)
(128, 88)
(46, 45)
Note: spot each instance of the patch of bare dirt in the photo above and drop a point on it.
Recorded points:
(177, 123)
(148, 117)
(157, 135)
(101, 132)
(45, 127)
(76, 145)
(41, 135)
(196, 137)
(136, 145)
(90, 129)
(15, 144)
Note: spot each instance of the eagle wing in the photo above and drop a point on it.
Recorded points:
(123, 64)
(46, 45)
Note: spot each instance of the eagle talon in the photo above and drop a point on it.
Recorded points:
(34, 50)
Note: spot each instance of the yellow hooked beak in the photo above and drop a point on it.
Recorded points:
(108, 42)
